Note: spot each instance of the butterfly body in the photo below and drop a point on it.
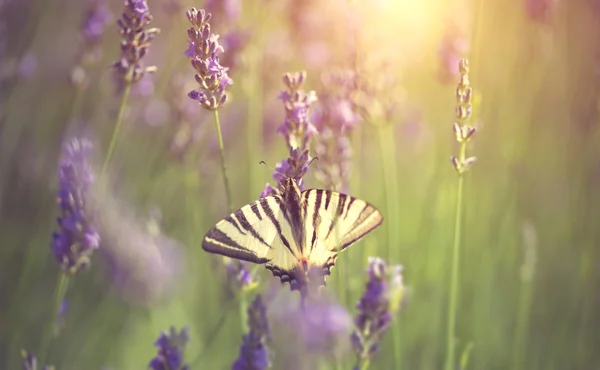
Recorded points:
(297, 234)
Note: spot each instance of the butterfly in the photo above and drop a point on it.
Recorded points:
(296, 234)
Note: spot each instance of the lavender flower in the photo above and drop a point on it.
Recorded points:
(171, 348)
(381, 299)
(323, 324)
(30, 362)
(226, 9)
(253, 351)
(295, 166)
(540, 10)
(96, 19)
(77, 238)
(240, 275)
(453, 45)
(268, 190)
(297, 127)
(335, 119)
(135, 42)
(203, 50)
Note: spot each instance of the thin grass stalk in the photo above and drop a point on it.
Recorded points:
(463, 133)
(60, 291)
(390, 175)
(222, 157)
(450, 340)
(116, 129)
(523, 315)
(255, 117)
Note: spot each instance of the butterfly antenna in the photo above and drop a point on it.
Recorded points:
(274, 170)
(311, 161)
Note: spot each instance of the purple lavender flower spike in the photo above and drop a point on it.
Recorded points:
(76, 239)
(335, 118)
(240, 275)
(253, 351)
(297, 127)
(380, 301)
(136, 39)
(30, 362)
(171, 349)
(268, 190)
(295, 166)
(204, 50)
(95, 21)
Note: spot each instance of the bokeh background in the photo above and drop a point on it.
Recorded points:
(529, 271)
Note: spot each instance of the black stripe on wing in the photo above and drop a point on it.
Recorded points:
(216, 241)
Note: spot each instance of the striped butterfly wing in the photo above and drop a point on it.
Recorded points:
(335, 221)
(257, 233)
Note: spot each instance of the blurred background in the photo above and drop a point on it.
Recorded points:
(529, 273)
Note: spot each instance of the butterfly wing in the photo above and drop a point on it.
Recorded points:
(257, 233)
(335, 221)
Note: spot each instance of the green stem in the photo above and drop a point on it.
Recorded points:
(450, 355)
(115, 133)
(522, 323)
(362, 364)
(222, 155)
(390, 174)
(60, 292)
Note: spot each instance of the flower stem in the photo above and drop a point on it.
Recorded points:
(60, 292)
(390, 176)
(450, 355)
(524, 308)
(115, 133)
(222, 155)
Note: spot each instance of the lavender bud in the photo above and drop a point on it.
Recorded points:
(253, 351)
(77, 238)
(171, 349)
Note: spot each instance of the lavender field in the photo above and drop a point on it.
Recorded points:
(129, 128)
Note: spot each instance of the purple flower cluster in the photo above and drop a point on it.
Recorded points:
(171, 347)
(97, 17)
(92, 29)
(297, 127)
(453, 46)
(297, 130)
(30, 362)
(379, 302)
(76, 239)
(239, 274)
(335, 119)
(135, 42)
(253, 351)
(203, 50)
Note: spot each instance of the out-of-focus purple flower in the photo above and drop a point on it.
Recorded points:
(268, 190)
(228, 10)
(96, 19)
(171, 347)
(335, 118)
(453, 47)
(203, 50)
(76, 239)
(27, 65)
(540, 10)
(135, 42)
(381, 300)
(323, 325)
(234, 41)
(253, 351)
(30, 362)
(240, 275)
(143, 264)
(297, 127)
